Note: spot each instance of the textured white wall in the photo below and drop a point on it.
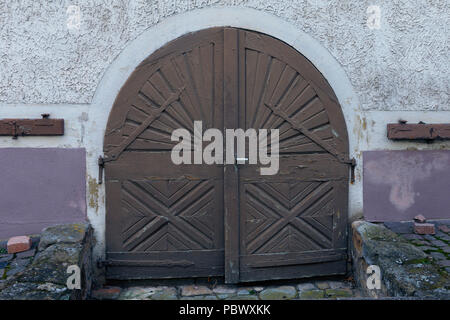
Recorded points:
(402, 66)
(377, 75)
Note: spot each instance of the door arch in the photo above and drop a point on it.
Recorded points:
(165, 220)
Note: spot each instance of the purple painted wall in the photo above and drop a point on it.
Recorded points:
(398, 185)
(41, 187)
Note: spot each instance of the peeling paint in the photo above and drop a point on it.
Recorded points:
(364, 123)
(359, 129)
(93, 195)
(62, 70)
(84, 116)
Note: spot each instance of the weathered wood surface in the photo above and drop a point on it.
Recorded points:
(165, 220)
(31, 127)
(292, 224)
(157, 209)
(398, 131)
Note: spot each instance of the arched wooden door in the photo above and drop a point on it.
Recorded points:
(196, 220)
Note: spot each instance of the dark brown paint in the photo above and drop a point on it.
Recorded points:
(403, 131)
(167, 221)
(32, 127)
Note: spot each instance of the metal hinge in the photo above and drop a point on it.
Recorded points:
(145, 263)
(352, 163)
(117, 151)
(315, 138)
(101, 166)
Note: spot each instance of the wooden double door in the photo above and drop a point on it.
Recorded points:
(198, 220)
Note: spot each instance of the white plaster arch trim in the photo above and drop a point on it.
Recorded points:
(173, 27)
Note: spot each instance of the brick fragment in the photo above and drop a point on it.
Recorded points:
(18, 244)
(192, 290)
(420, 218)
(106, 293)
(424, 228)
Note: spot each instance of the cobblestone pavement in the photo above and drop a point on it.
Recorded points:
(437, 246)
(305, 290)
(12, 264)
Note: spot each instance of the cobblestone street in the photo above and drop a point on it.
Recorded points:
(13, 264)
(437, 246)
(305, 290)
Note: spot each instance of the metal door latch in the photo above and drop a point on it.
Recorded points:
(241, 160)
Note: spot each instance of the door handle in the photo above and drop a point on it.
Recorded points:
(241, 160)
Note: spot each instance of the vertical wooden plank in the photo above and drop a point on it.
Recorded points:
(340, 219)
(288, 215)
(166, 219)
(242, 123)
(218, 122)
(113, 215)
(231, 197)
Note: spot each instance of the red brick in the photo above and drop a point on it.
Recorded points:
(106, 293)
(420, 218)
(424, 228)
(18, 244)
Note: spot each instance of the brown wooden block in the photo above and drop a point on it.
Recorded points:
(31, 127)
(398, 131)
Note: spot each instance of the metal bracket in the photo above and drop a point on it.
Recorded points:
(313, 137)
(117, 151)
(32, 127)
(352, 163)
(145, 263)
(101, 166)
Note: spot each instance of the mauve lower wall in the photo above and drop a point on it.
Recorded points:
(40, 187)
(398, 185)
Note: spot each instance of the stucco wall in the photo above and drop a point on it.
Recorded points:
(75, 74)
(401, 66)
